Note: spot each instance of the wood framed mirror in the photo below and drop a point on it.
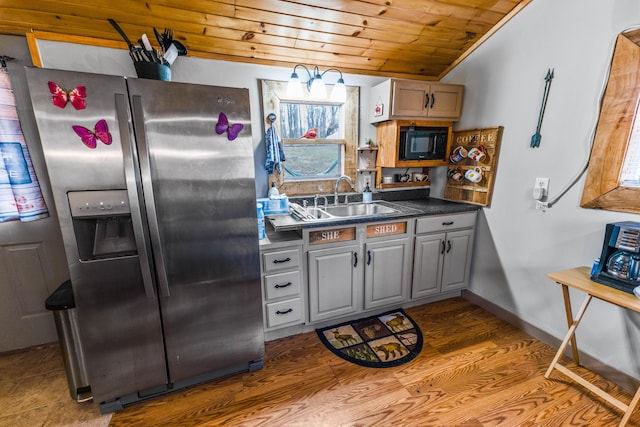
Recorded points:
(613, 138)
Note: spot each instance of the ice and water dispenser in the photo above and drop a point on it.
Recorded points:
(102, 224)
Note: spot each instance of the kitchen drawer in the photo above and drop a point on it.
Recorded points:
(282, 284)
(445, 222)
(283, 312)
(281, 260)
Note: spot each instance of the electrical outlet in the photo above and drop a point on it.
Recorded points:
(542, 183)
(541, 188)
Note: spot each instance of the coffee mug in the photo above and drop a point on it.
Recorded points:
(455, 174)
(387, 179)
(419, 177)
(477, 153)
(474, 175)
(458, 154)
(403, 177)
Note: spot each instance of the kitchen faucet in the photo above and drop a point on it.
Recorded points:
(315, 201)
(335, 190)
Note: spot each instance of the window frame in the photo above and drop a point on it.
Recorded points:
(274, 92)
(602, 189)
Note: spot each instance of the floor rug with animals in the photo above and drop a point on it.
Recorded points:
(385, 340)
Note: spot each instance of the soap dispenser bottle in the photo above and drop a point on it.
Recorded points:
(273, 191)
(366, 194)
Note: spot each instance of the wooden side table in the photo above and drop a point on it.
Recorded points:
(580, 278)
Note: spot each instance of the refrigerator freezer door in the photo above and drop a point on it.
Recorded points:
(199, 188)
(119, 322)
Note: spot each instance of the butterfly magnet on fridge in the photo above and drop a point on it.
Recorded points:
(60, 97)
(223, 126)
(90, 137)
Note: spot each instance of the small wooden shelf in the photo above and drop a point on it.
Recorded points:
(371, 148)
(367, 170)
(405, 184)
(469, 187)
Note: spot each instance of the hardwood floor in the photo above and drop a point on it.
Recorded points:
(474, 370)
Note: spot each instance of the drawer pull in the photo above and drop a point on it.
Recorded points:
(284, 312)
(447, 223)
(283, 286)
(280, 261)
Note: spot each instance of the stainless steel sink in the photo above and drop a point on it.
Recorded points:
(352, 210)
(317, 213)
(359, 209)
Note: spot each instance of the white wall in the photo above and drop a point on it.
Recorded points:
(66, 56)
(517, 245)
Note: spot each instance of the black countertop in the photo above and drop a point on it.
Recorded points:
(409, 204)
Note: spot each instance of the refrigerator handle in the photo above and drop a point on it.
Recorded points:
(147, 188)
(134, 199)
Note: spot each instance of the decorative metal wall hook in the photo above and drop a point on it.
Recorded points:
(4, 59)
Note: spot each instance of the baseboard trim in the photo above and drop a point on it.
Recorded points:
(622, 379)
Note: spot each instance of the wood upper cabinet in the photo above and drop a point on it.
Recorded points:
(388, 136)
(406, 99)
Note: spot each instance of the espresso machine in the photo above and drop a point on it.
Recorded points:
(619, 264)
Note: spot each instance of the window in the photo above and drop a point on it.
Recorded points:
(612, 181)
(630, 175)
(313, 164)
(314, 160)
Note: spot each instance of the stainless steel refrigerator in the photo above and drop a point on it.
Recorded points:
(154, 189)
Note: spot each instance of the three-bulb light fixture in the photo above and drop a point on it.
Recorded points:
(315, 85)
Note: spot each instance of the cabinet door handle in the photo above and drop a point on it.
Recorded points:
(448, 246)
(447, 223)
(283, 286)
(426, 100)
(279, 261)
(284, 312)
(368, 257)
(433, 99)
(442, 250)
(355, 256)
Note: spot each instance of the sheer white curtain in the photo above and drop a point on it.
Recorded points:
(20, 195)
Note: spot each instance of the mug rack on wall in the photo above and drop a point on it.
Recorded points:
(463, 189)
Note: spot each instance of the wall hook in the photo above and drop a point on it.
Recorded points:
(4, 59)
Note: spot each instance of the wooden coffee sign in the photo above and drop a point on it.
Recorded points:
(388, 229)
(332, 235)
(472, 165)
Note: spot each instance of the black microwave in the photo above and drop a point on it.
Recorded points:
(423, 143)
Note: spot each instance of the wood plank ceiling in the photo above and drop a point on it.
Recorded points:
(420, 39)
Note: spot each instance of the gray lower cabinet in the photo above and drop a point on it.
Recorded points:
(282, 287)
(340, 271)
(442, 253)
(358, 268)
(387, 272)
(334, 282)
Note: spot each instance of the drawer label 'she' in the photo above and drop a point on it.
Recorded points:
(333, 235)
(377, 230)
